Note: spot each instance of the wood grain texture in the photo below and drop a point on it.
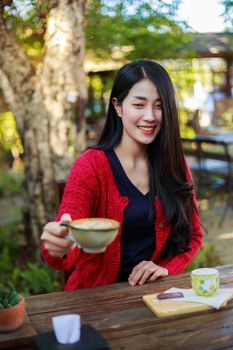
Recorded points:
(120, 315)
(18, 338)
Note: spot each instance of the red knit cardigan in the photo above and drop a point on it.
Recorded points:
(92, 192)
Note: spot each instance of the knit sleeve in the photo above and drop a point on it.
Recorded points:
(81, 188)
(178, 263)
(78, 200)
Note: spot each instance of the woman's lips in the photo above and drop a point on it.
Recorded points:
(147, 130)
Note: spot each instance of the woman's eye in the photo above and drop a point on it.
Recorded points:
(158, 106)
(138, 105)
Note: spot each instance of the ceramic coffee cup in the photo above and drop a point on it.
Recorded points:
(93, 235)
(205, 281)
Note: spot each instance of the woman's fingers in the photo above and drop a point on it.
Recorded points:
(53, 251)
(66, 217)
(138, 267)
(138, 272)
(54, 240)
(55, 229)
(146, 271)
(161, 272)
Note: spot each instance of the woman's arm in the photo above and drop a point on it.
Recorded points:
(78, 200)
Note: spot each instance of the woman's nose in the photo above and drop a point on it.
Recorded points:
(149, 115)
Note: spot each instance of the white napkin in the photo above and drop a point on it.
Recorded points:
(216, 301)
(67, 328)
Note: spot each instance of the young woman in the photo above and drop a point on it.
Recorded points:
(137, 175)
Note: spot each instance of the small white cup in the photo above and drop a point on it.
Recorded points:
(67, 328)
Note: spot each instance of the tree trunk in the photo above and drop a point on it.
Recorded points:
(48, 105)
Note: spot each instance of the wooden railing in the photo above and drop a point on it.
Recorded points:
(209, 157)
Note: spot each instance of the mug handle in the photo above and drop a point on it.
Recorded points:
(69, 236)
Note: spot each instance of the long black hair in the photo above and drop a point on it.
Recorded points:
(167, 168)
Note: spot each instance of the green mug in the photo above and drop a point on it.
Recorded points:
(205, 281)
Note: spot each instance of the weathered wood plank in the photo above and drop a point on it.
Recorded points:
(20, 337)
(119, 313)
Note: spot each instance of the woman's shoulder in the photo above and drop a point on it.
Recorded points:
(90, 162)
(91, 158)
(92, 154)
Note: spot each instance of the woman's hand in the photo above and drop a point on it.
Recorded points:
(146, 271)
(54, 240)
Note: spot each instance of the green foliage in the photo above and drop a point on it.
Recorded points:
(226, 119)
(27, 278)
(9, 136)
(27, 20)
(8, 298)
(117, 29)
(128, 30)
(228, 12)
(38, 279)
(17, 273)
(11, 183)
(206, 257)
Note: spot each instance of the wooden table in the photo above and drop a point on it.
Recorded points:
(119, 313)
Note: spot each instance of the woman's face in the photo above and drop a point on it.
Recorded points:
(141, 113)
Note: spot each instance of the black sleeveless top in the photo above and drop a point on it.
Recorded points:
(138, 232)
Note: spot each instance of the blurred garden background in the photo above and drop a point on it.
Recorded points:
(57, 63)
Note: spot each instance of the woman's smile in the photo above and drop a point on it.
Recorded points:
(147, 130)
